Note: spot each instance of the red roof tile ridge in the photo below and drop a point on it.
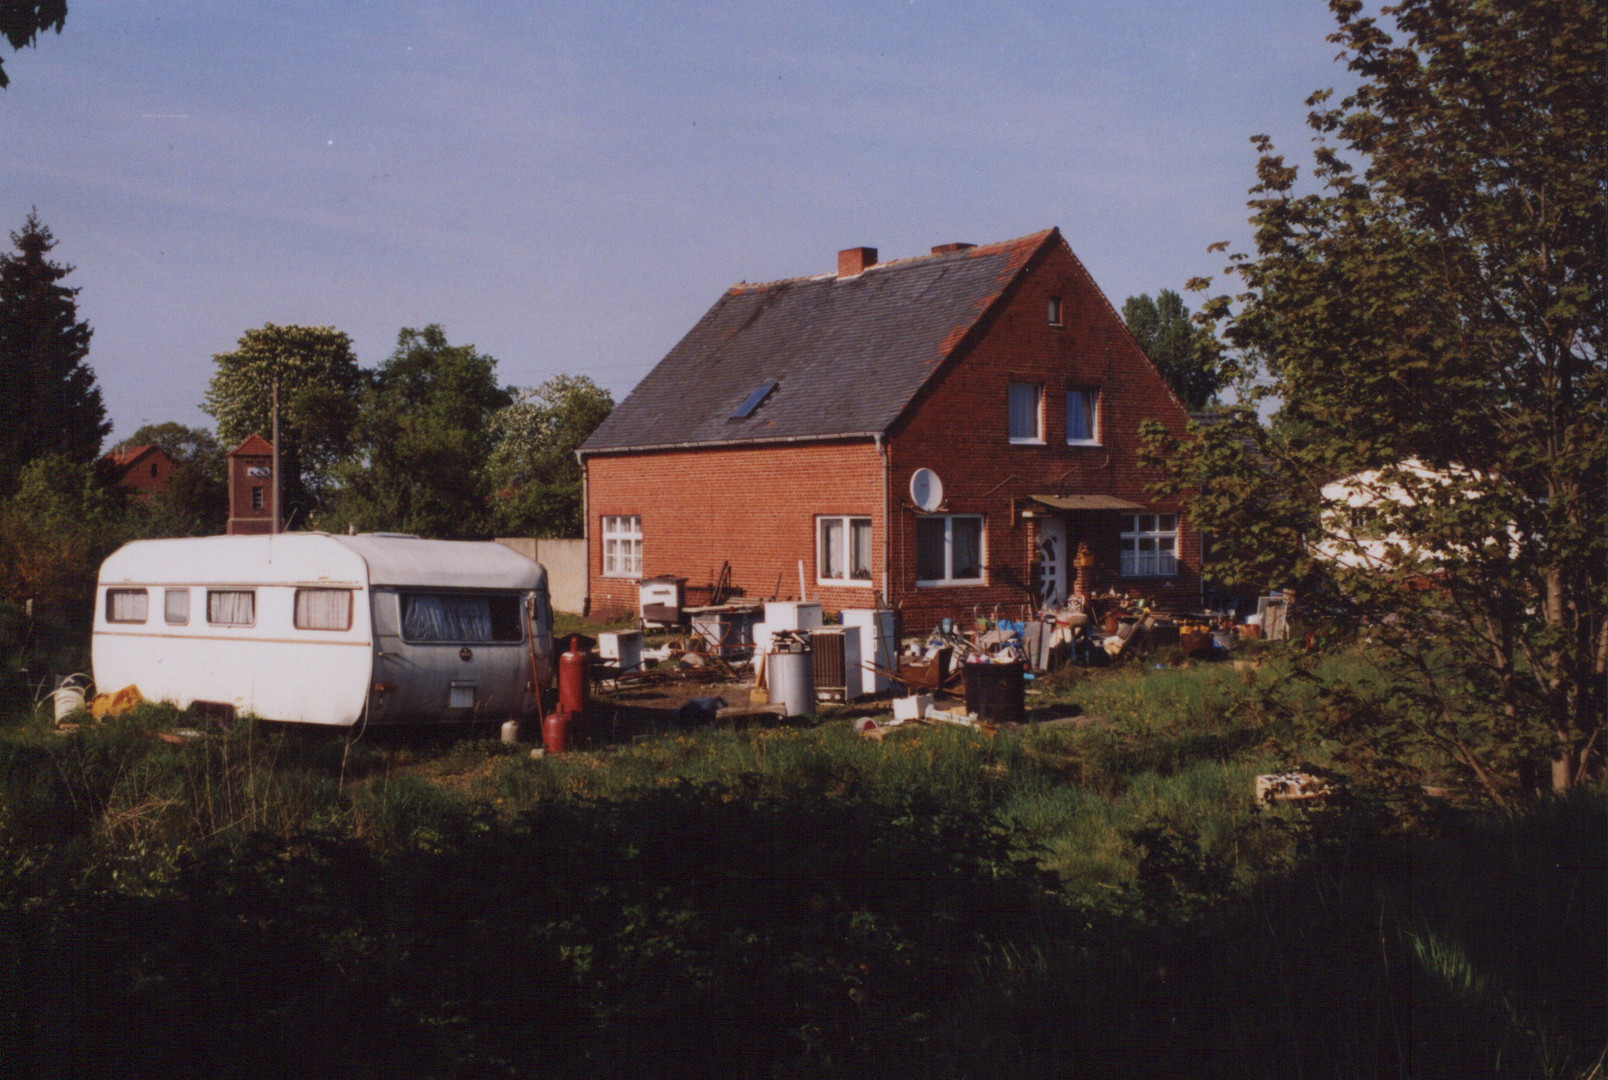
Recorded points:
(253, 444)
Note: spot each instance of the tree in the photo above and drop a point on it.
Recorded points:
(535, 478)
(195, 501)
(49, 403)
(1185, 354)
(64, 518)
(319, 386)
(422, 441)
(22, 21)
(1438, 317)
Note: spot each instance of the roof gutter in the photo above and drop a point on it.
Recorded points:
(582, 454)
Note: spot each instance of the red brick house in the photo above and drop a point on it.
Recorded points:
(938, 434)
(145, 469)
(251, 487)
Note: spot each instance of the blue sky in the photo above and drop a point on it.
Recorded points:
(569, 186)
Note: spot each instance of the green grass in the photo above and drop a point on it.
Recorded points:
(1101, 897)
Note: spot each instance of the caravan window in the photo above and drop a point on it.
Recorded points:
(232, 607)
(323, 609)
(176, 606)
(461, 617)
(127, 605)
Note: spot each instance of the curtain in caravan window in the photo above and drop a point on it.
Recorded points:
(127, 605)
(450, 617)
(231, 607)
(323, 609)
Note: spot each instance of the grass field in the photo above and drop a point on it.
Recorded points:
(1100, 896)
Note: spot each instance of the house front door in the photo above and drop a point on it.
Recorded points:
(1052, 561)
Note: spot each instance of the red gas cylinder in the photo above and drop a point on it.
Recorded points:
(555, 732)
(572, 680)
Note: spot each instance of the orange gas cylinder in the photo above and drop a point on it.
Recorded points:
(572, 680)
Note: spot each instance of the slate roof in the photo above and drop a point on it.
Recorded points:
(847, 355)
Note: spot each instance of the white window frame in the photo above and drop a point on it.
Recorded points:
(1155, 530)
(1037, 390)
(949, 551)
(845, 550)
(622, 545)
(1094, 420)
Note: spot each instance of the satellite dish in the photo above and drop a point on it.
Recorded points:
(926, 490)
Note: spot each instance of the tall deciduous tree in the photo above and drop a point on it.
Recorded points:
(22, 21)
(422, 442)
(535, 479)
(49, 403)
(1435, 311)
(319, 386)
(1184, 353)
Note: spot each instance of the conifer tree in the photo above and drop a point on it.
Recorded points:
(49, 402)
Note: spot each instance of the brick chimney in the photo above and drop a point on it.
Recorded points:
(950, 249)
(858, 260)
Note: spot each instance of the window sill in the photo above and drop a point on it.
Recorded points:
(844, 583)
(1092, 443)
(956, 583)
(1027, 442)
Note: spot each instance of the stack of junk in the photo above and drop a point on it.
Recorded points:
(798, 660)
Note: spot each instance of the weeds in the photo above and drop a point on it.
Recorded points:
(1100, 897)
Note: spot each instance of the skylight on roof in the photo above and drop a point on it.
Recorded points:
(753, 401)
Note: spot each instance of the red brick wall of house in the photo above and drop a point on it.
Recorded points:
(244, 520)
(756, 507)
(752, 507)
(960, 430)
(149, 474)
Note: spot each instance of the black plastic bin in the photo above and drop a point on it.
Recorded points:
(997, 692)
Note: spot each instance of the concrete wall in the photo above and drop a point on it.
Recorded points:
(565, 561)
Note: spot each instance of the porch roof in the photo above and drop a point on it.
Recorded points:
(1084, 502)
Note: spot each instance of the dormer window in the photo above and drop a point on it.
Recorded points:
(1053, 309)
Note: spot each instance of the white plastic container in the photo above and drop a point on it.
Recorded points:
(793, 615)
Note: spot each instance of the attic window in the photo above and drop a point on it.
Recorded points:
(753, 401)
(1053, 310)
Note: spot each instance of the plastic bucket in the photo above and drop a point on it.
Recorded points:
(68, 700)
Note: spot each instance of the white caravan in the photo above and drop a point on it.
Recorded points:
(325, 629)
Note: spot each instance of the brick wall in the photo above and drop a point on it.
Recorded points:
(148, 474)
(960, 429)
(753, 507)
(244, 518)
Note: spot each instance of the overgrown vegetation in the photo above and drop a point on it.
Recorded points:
(1094, 896)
